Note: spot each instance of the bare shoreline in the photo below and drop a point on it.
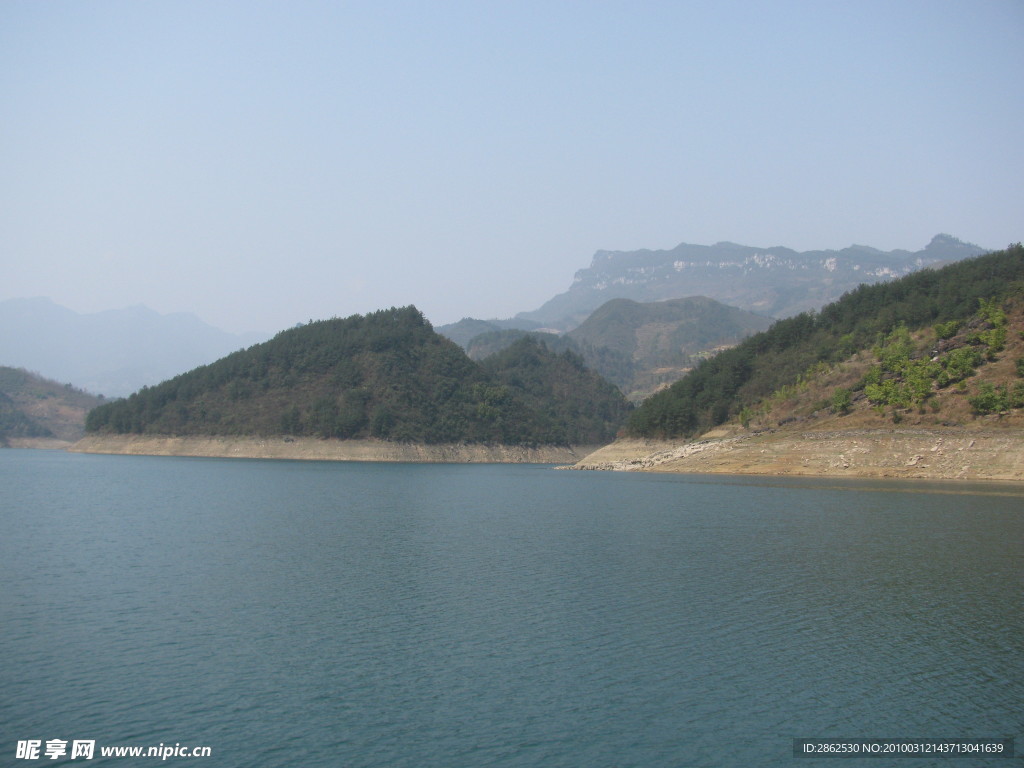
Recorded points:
(313, 449)
(923, 454)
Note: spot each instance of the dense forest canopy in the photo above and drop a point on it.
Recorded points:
(563, 396)
(386, 375)
(721, 387)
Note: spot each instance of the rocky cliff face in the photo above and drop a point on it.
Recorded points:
(777, 282)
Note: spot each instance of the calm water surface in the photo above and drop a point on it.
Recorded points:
(331, 614)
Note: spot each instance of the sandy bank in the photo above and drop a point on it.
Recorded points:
(324, 450)
(40, 443)
(926, 454)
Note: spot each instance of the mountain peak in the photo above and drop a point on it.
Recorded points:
(777, 282)
(947, 241)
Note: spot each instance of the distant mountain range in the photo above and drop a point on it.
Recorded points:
(640, 318)
(117, 352)
(112, 353)
(776, 282)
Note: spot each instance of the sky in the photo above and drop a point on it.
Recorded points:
(261, 163)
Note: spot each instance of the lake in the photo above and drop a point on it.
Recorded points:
(342, 614)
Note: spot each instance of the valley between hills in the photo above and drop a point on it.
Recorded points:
(942, 402)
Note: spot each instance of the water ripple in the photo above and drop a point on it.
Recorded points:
(290, 613)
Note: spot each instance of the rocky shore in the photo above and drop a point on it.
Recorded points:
(325, 450)
(938, 454)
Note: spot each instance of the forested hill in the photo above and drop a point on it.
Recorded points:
(386, 375)
(567, 400)
(32, 407)
(638, 347)
(724, 386)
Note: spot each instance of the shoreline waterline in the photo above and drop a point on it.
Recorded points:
(315, 449)
(867, 453)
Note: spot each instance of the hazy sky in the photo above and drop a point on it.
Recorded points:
(263, 163)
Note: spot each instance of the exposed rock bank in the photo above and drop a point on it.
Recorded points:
(325, 450)
(924, 454)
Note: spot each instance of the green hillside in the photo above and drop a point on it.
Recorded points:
(565, 398)
(34, 407)
(878, 317)
(639, 346)
(386, 375)
(491, 342)
(657, 342)
(655, 330)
